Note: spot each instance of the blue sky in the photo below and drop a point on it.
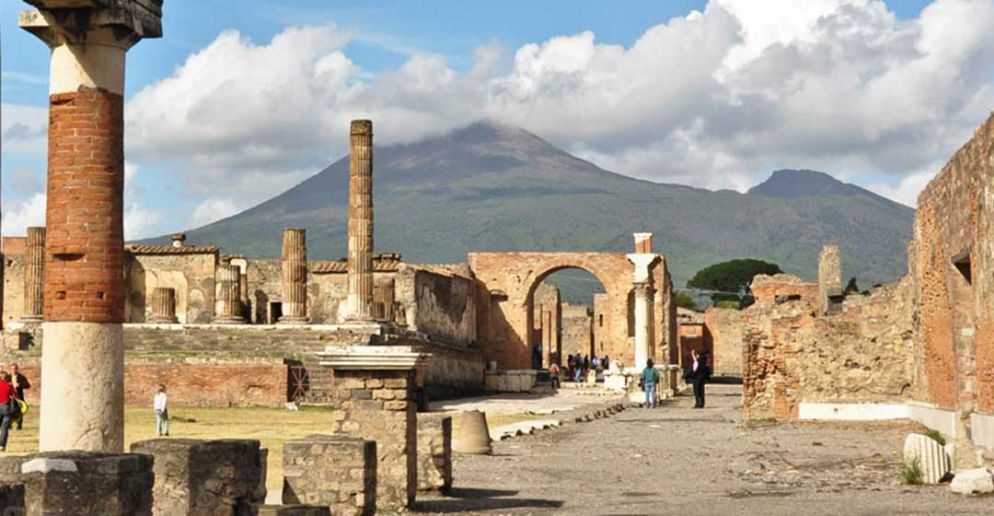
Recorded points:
(382, 42)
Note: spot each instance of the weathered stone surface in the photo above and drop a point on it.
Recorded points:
(434, 452)
(62, 483)
(473, 436)
(930, 456)
(339, 472)
(291, 510)
(969, 481)
(205, 477)
(360, 249)
(577, 331)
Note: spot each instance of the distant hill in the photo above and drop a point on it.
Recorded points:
(490, 187)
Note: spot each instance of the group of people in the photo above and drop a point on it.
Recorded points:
(577, 366)
(12, 406)
(697, 373)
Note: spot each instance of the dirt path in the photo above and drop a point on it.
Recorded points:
(677, 460)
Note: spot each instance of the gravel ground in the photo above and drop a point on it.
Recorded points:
(677, 460)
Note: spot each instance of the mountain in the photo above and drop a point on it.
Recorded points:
(490, 187)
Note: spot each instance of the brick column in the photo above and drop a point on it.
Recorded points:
(163, 306)
(83, 358)
(373, 399)
(34, 275)
(294, 276)
(228, 306)
(360, 296)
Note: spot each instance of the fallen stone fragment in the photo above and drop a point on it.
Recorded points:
(971, 481)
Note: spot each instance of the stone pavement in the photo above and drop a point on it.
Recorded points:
(526, 403)
(677, 460)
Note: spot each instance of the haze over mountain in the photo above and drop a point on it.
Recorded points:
(490, 187)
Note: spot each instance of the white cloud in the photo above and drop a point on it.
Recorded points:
(717, 98)
(23, 129)
(139, 221)
(212, 210)
(29, 213)
(906, 192)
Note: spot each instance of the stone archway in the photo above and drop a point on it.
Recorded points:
(509, 279)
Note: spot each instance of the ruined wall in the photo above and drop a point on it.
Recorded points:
(600, 334)
(190, 274)
(547, 311)
(13, 286)
(577, 331)
(863, 354)
(438, 303)
(769, 289)
(952, 259)
(723, 337)
(691, 338)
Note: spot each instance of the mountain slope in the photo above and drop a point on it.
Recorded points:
(489, 187)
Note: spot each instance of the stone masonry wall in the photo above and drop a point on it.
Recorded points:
(577, 330)
(13, 287)
(723, 336)
(861, 355)
(191, 275)
(438, 303)
(332, 471)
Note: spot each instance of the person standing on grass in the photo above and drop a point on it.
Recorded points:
(161, 411)
(7, 403)
(650, 378)
(20, 382)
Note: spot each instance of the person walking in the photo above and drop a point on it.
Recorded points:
(650, 379)
(19, 382)
(697, 375)
(7, 411)
(161, 409)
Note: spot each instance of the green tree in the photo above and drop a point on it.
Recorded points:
(731, 276)
(686, 300)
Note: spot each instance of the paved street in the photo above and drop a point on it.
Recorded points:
(677, 460)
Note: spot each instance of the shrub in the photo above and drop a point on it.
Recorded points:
(936, 436)
(912, 473)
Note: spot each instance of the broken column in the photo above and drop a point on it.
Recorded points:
(163, 306)
(229, 298)
(294, 276)
(83, 358)
(34, 275)
(643, 259)
(373, 399)
(360, 295)
(829, 276)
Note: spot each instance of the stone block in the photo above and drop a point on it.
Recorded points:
(338, 472)
(434, 452)
(972, 481)
(291, 510)
(61, 483)
(205, 477)
(932, 459)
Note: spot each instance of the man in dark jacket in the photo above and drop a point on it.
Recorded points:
(19, 383)
(697, 374)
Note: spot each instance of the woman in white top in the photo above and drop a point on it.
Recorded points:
(161, 411)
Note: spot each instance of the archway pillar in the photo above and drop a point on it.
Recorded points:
(644, 293)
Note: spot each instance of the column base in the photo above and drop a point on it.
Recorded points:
(289, 319)
(235, 319)
(163, 320)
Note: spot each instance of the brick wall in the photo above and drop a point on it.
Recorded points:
(85, 240)
(723, 337)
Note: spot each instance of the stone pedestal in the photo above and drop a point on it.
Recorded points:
(34, 275)
(73, 483)
(434, 452)
(83, 359)
(205, 477)
(373, 399)
(338, 472)
(360, 250)
(163, 306)
(228, 291)
(294, 276)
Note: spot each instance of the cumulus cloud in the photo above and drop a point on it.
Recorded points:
(31, 212)
(716, 98)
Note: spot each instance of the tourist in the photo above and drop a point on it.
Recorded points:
(578, 373)
(606, 363)
(596, 362)
(159, 406)
(20, 383)
(554, 375)
(7, 411)
(650, 378)
(697, 375)
(586, 362)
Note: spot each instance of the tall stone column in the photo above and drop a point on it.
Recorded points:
(82, 360)
(34, 275)
(643, 323)
(229, 299)
(829, 276)
(294, 276)
(163, 306)
(643, 259)
(360, 296)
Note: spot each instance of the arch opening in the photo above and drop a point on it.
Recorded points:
(565, 308)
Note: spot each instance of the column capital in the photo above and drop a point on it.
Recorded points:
(59, 22)
(643, 288)
(643, 263)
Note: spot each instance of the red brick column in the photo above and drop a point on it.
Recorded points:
(84, 251)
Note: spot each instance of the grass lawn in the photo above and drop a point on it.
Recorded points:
(271, 426)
